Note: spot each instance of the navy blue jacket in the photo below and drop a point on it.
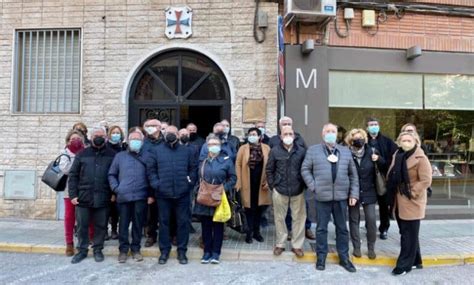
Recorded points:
(88, 177)
(171, 170)
(227, 149)
(220, 170)
(127, 177)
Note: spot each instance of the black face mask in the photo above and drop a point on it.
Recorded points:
(184, 139)
(99, 141)
(221, 135)
(358, 143)
(193, 136)
(171, 138)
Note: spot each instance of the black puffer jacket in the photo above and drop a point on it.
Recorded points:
(366, 171)
(284, 170)
(88, 177)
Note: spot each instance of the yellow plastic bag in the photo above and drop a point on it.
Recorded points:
(222, 213)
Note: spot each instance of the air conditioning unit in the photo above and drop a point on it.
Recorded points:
(315, 11)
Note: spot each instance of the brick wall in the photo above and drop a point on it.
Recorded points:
(111, 47)
(431, 32)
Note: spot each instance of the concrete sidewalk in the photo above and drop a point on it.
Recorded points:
(443, 242)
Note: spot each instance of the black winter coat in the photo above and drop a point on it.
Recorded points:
(386, 147)
(284, 170)
(88, 179)
(366, 172)
(171, 170)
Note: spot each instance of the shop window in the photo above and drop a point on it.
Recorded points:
(47, 71)
(375, 90)
(449, 92)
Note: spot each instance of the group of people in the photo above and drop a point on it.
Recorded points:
(151, 178)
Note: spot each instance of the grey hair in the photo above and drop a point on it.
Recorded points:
(142, 136)
(213, 137)
(285, 118)
(98, 129)
(329, 125)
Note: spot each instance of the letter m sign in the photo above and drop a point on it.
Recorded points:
(306, 83)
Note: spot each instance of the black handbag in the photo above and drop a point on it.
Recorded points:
(54, 177)
(238, 219)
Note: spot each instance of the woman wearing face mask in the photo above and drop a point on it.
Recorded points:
(408, 178)
(82, 128)
(74, 145)
(365, 161)
(116, 139)
(251, 161)
(217, 169)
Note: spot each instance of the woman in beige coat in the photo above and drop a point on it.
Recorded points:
(252, 181)
(409, 177)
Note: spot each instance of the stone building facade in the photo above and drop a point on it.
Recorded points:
(117, 37)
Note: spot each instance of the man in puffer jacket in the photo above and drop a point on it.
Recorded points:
(128, 180)
(89, 190)
(329, 171)
(287, 185)
(172, 171)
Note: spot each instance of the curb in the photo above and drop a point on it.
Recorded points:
(250, 255)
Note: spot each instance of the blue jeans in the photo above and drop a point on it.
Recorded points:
(338, 209)
(134, 212)
(181, 210)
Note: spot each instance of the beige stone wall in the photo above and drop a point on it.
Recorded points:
(116, 34)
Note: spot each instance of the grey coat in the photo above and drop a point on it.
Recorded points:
(317, 174)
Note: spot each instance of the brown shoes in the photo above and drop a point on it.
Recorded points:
(278, 250)
(309, 234)
(298, 252)
(150, 242)
(70, 249)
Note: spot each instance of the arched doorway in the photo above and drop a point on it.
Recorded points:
(180, 86)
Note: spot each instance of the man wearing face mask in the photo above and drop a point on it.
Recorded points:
(89, 190)
(385, 148)
(329, 170)
(152, 140)
(129, 182)
(231, 139)
(194, 138)
(276, 139)
(285, 181)
(172, 171)
(226, 148)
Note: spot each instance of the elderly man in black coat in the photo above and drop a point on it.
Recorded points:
(89, 190)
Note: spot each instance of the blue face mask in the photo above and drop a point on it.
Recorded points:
(215, 149)
(115, 138)
(253, 139)
(262, 130)
(135, 145)
(330, 138)
(374, 130)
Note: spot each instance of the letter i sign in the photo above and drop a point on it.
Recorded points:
(178, 22)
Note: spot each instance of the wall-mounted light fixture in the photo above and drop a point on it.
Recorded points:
(307, 47)
(413, 52)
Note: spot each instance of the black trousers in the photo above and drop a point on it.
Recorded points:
(384, 213)
(114, 216)
(410, 254)
(254, 213)
(131, 212)
(180, 208)
(99, 217)
(212, 235)
(152, 220)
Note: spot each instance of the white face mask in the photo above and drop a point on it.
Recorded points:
(226, 130)
(150, 130)
(288, 140)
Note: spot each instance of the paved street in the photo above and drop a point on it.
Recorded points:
(20, 268)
